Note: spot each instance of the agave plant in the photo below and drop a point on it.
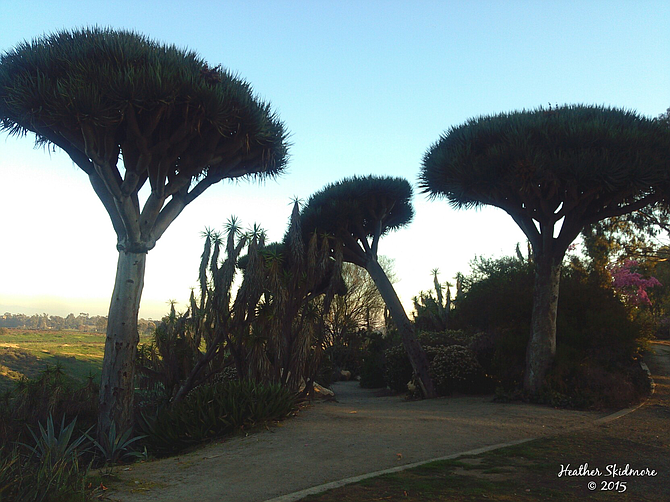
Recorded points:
(54, 448)
(115, 446)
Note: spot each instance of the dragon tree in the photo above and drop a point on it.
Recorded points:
(356, 212)
(132, 112)
(554, 171)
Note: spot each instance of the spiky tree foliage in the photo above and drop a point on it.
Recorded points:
(356, 212)
(298, 272)
(174, 122)
(168, 359)
(554, 171)
(270, 331)
(214, 318)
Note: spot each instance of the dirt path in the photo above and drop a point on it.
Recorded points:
(329, 441)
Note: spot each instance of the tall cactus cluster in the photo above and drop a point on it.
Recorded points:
(432, 312)
(270, 332)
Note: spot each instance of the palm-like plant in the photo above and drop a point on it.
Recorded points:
(356, 212)
(554, 171)
(432, 313)
(213, 319)
(177, 124)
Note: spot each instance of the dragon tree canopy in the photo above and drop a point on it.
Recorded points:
(582, 163)
(104, 95)
(359, 207)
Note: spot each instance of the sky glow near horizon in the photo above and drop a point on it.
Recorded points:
(364, 87)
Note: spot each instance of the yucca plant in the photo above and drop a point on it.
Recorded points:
(51, 471)
(60, 481)
(214, 410)
(10, 472)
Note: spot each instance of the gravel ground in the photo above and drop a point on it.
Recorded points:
(360, 433)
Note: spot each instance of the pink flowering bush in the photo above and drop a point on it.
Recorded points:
(630, 284)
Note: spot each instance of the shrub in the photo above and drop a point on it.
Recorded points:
(114, 447)
(599, 339)
(327, 373)
(373, 360)
(52, 394)
(443, 338)
(397, 368)
(498, 295)
(455, 369)
(214, 410)
(228, 373)
(372, 370)
(663, 329)
(590, 385)
(48, 471)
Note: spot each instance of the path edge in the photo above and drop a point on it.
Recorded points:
(295, 496)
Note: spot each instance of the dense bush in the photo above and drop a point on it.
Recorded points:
(327, 372)
(48, 462)
(348, 356)
(593, 385)
(27, 479)
(455, 369)
(373, 360)
(397, 368)
(599, 338)
(213, 410)
(443, 338)
(372, 370)
(363, 356)
(498, 295)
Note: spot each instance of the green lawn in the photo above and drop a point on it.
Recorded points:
(28, 352)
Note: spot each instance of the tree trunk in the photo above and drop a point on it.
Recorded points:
(412, 346)
(118, 365)
(542, 343)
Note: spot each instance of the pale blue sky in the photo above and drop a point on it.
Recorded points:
(365, 87)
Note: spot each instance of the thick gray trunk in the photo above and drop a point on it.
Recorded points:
(412, 346)
(118, 366)
(542, 344)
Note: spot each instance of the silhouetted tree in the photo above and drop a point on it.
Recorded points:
(174, 122)
(356, 212)
(554, 171)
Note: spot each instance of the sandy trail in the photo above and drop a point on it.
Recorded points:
(330, 441)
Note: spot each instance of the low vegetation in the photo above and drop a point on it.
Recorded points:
(211, 372)
(211, 411)
(25, 353)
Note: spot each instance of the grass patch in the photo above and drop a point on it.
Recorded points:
(527, 472)
(25, 353)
